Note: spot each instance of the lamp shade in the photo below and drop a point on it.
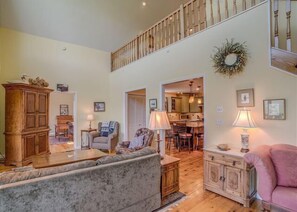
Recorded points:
(244, 119)
(159, 121)
(90, 117)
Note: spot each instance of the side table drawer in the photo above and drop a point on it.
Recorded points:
(224, 159)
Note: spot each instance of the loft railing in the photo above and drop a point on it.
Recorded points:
(284, 34)
(190, 18)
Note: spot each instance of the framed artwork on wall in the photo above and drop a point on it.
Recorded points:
(274, 109)
(153, 103)
(62, 87)
(245, 98)
(99, 106)
(64, 110)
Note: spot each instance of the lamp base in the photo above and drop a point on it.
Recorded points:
(244, 143)
(158, 150)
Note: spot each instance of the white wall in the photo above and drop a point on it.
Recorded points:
(191, 58)
(56, 99)
(85, 70)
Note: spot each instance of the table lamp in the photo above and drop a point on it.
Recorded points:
(90, 118)
(245, 121)
(159, 121)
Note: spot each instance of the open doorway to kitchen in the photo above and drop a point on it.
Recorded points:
(62, 121)
(184, 102)
(136, 112)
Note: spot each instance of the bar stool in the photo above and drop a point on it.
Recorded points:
(185, 137)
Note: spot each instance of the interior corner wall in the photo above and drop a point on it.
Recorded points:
(85, 70)
(191, 57)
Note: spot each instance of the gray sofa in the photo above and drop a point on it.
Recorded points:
(129, 182)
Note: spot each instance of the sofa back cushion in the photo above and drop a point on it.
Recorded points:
(284, 158)
(20, 175)
(126, 156)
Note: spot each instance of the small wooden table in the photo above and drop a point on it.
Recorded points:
(170, 175)
(85, 144)
(62, 158)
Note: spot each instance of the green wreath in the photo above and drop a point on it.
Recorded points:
(230, 59)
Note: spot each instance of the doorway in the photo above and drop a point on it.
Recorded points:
(184, 103)
(62, 121)
(136, 112)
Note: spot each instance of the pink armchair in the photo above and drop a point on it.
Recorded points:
(276, 167)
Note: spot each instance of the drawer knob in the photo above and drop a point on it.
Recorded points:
(234, 163)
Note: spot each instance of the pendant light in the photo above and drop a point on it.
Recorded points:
(191, 99)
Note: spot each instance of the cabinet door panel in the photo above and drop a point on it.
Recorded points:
(214, 174)
(233, 181)
(42, 105)
(29, 144)
(42, 121)
(30, 109)
(42, 142)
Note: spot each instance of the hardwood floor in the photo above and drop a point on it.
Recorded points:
(191, 184)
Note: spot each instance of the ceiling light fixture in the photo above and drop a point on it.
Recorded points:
(143, 3)
(191, 99)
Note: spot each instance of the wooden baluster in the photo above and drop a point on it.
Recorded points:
(198, 15)
(181, 22)
(165, 33)
(226, 9)
(169, 30)
(203, 22)
(253, 2)
(187, 21)
(157, 37)
(162, 34)
(275, 11)
(243, 5)
(193, 17)
(288, 14)
(137, 48)
(173, 27)
(211, 13)
(234, 7)
(219, 11)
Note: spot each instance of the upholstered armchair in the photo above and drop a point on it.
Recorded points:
(106, 138)
(143, 136)
(276, 167)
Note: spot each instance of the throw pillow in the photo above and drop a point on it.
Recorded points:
(104, 129)
(285, 163)
(136, 142)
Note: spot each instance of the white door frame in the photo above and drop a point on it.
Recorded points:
(125, 100)
(76, 144)
(162, 106)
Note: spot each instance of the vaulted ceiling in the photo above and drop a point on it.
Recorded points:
(99, 24)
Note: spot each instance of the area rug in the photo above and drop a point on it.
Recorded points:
(170, 201)
(54, 140)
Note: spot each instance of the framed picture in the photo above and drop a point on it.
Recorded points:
(153, 103)
(274, 109)
(245, 98)
(99, 106)
(62, 87)
(64, 110)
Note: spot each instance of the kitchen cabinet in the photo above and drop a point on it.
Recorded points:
(175, 104)
(195, 107)
(227, 174)
(185, 107)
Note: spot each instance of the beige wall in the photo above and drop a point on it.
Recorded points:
(191, 58)
(85, 70)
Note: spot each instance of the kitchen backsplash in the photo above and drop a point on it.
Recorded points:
(191, 116)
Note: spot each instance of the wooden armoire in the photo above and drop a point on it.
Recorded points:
(26, 122)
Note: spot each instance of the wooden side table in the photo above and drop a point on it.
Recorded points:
(85, 143)
(170, 175)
